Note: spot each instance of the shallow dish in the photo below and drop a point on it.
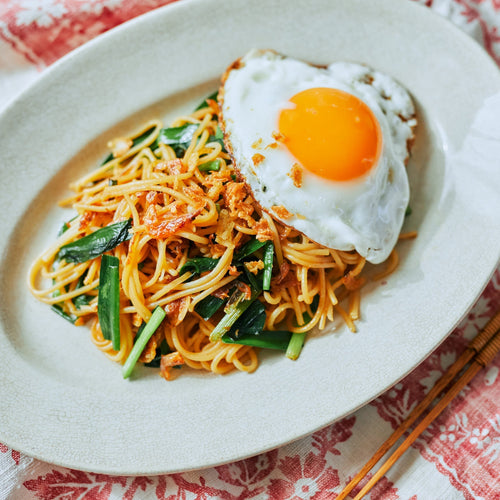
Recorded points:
(64, 402)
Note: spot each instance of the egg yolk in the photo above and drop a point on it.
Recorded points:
(333, 134)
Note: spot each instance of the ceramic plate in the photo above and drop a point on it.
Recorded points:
(64, 402)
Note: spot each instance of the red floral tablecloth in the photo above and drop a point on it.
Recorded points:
(457, 457)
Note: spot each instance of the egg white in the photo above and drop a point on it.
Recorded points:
(365, 214)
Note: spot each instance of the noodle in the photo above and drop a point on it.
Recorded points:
(180, 211)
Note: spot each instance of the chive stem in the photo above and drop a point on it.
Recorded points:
(151, 327)
(108, 300)
(268, 265)
(295, 345)
(233, 312)
(210, 166)
(276, 339)
(248, 248)
(59, 310)
(97, 243)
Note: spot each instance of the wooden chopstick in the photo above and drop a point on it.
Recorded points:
(475, 347)
(482, 359)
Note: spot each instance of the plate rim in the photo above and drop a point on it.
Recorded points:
(109, 38)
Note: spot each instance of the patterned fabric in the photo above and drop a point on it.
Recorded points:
(457, 457)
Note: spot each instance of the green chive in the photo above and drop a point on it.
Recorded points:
(65, 226)
(108, 158)
(204, 103)
(59, 310)
(95, 244)
(63, 229)
(160, 351)
(248, 248)
(135, 141)
(233, 311)
(108, 300)
(142, 137)
(177, 135)
(218, 133)
(252, 280)
(277, 340)
(84, 299)
(210, 166)
(298, 339)
(218, 137)
(208, 306)
(140, 344)
(198, 265)
(295, 345)
(268, 265)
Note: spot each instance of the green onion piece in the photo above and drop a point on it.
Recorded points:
(178, 138)
(198, 265)
(108, 301)
(252, 280)
(107, 159)
(135, 141)
(210, 166)
(57, 292)
(204, 103)
(160, 351)
(63, 229)
(139, 331)
(306, 317)
(208, 306)
(408, 211)
(233, 311)
(218, 137)
(65, 226)
(248, 330)
(218, 133)
(248, 248)
(252, 321)
(140, 344)
(144, 135)
(298, 339)
(177, 135)
(95, 244)
(84, 299)
(59, 310)
(268, 265)
(278, 340)
(295, 345)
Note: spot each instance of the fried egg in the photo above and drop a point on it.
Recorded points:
(323, 149)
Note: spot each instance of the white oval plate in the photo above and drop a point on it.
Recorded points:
(64, 402)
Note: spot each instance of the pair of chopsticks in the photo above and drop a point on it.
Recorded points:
(480, 352)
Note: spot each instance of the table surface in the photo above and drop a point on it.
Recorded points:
(457, 457)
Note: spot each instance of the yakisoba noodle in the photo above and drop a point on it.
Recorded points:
(179, 212)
